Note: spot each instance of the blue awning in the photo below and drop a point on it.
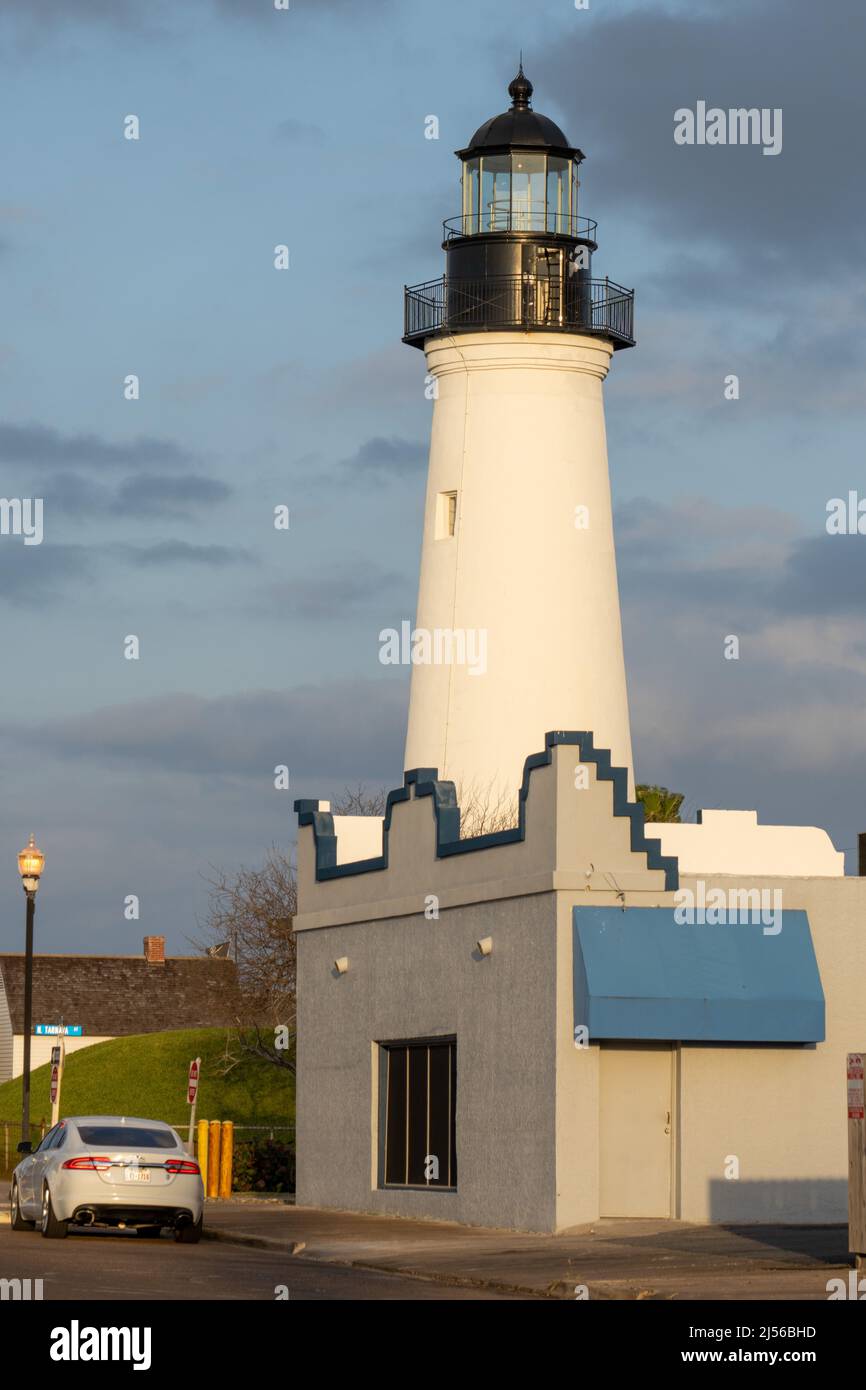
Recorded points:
(638, 973)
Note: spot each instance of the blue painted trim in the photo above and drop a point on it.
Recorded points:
(447, 814)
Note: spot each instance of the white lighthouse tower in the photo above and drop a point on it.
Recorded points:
(518, 589)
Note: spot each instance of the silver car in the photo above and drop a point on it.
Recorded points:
(109, 1170)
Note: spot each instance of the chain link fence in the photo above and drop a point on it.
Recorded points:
(10, 1136)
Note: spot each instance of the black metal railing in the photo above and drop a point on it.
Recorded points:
(520, 302)
(504, 218)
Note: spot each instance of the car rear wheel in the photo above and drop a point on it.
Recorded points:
(19, 1222)
(189, 1235)
(51, 1227)
(151, 1232)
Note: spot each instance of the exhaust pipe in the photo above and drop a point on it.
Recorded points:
(183, 1220)
(86, 1217)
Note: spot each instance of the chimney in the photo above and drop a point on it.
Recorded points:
(154, 950)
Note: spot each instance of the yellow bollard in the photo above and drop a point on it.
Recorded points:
(213, 1159)
(226, 1153)
(201, 1150)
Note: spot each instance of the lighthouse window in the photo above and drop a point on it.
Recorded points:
(558, 195)
(471, 172)
(527, 192)
(496, 192)
(446, 515)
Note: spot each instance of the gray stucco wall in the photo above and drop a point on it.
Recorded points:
(410, 977)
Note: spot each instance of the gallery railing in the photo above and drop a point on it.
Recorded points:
(520, 302)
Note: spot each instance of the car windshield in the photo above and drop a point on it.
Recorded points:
(126, 1137)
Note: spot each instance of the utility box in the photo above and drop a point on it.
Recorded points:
(856, 1158)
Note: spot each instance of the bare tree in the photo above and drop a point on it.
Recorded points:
(250, 916)
(484, 810)
(360, 802)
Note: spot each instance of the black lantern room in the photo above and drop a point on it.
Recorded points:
(519, 256)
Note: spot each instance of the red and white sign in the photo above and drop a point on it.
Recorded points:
(55, 1072)
(855, 1086)
(192, 1086)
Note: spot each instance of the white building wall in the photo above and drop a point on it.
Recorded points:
(40, 1050)
(781, 1111)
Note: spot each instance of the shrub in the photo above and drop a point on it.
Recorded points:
(263, 1165)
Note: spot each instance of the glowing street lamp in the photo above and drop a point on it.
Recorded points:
(31, 862)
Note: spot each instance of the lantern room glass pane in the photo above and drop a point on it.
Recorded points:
(527, 192)
(471, 176)
(495, 192)
(574, 186)
(558, 194)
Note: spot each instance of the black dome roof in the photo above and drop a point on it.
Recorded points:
(520, 126)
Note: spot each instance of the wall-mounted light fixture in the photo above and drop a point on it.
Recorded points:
(485, 945)
(341, 964)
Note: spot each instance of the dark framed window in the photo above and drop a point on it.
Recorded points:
(418, 1103)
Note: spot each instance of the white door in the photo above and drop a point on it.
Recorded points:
(635, 1129)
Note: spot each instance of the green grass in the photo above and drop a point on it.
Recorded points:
(147, 1076)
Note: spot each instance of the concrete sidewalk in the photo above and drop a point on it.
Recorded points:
(613, 1259)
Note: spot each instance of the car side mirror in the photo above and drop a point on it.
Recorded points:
(25, 1147)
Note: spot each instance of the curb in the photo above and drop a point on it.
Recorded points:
(295, 1248)
(560, 1290)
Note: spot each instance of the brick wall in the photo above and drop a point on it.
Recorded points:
(117, 995)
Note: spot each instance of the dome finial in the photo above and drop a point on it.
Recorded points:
(520, 90)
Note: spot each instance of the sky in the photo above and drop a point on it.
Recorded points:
(260, 387)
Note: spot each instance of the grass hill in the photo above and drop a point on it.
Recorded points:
(147, 1075)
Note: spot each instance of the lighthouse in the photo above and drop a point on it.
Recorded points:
(518, 614)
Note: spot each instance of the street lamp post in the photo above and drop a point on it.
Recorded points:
(31, 862)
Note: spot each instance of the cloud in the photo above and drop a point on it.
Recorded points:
(824, 575)
(158, 19)
(160, 496)
(699, 556)
(36, 574)
(149, 496)
(740, 732)
(244, 735)
(386, 458)
(740, 212)
(182, 553)
(45, 447)
(334, 595)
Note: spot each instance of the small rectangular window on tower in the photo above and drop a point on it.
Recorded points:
(446, 515)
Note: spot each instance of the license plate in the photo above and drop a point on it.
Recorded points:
(137, 1175)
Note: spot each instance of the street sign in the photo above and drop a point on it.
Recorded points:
(55, 1055)
(55, 1072)
(191, 1097)
(54, 1030)
(192, 1085)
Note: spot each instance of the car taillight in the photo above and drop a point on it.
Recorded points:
(92, 1163)
(182, 1165)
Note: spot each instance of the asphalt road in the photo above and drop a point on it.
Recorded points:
(126, 1266)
